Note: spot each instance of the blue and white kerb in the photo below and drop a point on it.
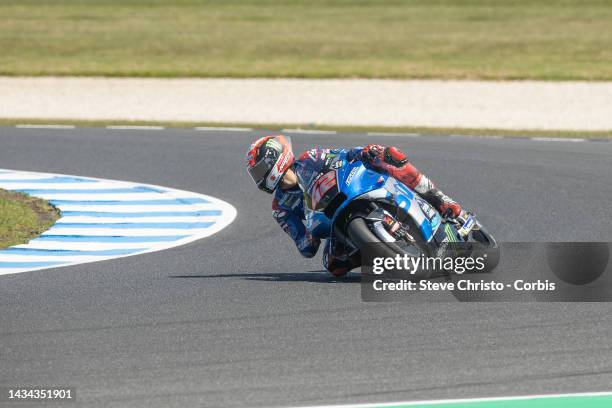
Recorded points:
(104, 219)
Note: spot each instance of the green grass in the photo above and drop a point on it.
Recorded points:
(485, 39)
(277, 127)
(23, 217)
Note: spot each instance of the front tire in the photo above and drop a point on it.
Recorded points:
(359, 231)
(486, 247)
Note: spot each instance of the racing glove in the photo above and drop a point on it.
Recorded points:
(372, 153)
(379, 155)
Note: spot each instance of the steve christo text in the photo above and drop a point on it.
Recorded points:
(463, 285)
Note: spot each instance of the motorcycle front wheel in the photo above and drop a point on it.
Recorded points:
(361, 233)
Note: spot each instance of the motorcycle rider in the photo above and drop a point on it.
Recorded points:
(271, 164)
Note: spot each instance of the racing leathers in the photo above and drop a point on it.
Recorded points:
(288, 204)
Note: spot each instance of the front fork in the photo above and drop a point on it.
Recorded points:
(387, 227)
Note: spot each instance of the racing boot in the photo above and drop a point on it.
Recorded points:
(444, 204)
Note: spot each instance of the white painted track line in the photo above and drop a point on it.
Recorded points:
(393, 134)
(134, 127)
(310, 131)
(34, 126)
(462, 136)
(558, 139)
(223, 129)
(314, 132)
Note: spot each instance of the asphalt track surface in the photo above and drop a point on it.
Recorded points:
(239, 319)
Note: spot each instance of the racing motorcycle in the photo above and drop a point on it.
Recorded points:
(358, 205)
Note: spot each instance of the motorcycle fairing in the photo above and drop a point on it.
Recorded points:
(358, 182)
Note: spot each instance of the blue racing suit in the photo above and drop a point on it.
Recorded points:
(288, 210)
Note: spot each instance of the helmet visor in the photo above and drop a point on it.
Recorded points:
(259, 172)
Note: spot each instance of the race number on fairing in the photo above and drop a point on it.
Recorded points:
(325, 183)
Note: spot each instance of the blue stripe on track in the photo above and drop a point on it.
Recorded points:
(66, 180)
(64, 252)
(91, 191)
(28, 264)
(134, 225)
(141, 214)
(106, 238)
(176, 201)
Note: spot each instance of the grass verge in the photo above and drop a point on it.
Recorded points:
(278, 127)
(464, 39)
(23, 217)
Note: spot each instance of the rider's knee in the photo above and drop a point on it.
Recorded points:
(307, 253)
(339, 271)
